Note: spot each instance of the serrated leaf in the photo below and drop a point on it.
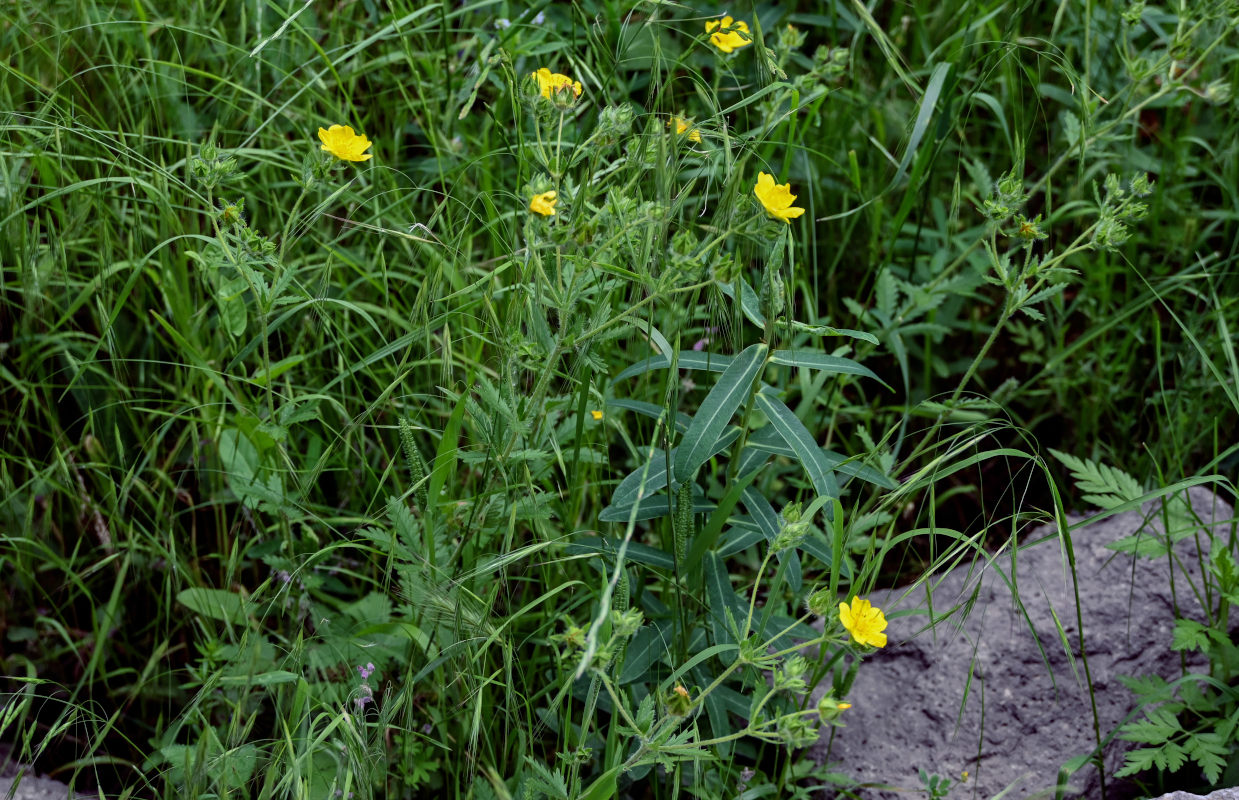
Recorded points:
(1137, 761)
(218, 604)
(1147, 687)
(1142, 544)
(887, 293)
(1173, 756)
(1190, 635)
(1105, 486)
(1157, 727)
(645, 714)
(1209, 753)
(724, 399)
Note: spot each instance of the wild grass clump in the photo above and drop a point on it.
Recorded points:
(510, 401)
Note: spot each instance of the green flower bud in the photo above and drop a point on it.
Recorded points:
(822, 602)
(829, 709)
(678, 701)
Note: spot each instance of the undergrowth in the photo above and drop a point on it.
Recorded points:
(547, 442)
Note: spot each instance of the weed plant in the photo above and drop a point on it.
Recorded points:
(541, 433)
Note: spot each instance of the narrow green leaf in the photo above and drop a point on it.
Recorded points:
(813, 359)
(797, 437)
(604, 787)
(722, 599)
(717, 410)
(644, 481)
(646, 647)
(650, 410)
(709, 534)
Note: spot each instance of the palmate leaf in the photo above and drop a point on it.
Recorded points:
(1106, 487)
(1190, 635)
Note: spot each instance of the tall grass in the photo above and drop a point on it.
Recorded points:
(324, 477)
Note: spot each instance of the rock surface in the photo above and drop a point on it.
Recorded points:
(1220, 794)
(1027, 710)
(32, 788)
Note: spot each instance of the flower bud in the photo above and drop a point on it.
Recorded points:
(678, 701)
(829, 709)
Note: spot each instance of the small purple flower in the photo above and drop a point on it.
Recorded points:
(366, 671)
(428, 728)
(365, 695)
(701, 343)
(539, 19)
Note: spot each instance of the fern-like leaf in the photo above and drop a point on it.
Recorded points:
(1158, 726)
(1104, 486)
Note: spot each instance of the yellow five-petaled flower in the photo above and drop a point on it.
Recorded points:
(776, 198)
(554, 82)
(864, 622)
(344, 144)
(683, 127)
(544, 203)
(729, 40)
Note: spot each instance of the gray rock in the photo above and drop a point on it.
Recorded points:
(1220, 794)
(32, 788)
(1027, 711)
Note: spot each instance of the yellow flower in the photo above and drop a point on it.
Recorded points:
(684, 126)
(777, 199)
(864, 622)
(344, 144)
(731, 39)
(597, 415)
(554, 82)
(544, 203)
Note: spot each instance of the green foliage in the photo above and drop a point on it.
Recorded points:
(340, 477)
(1104, 486)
